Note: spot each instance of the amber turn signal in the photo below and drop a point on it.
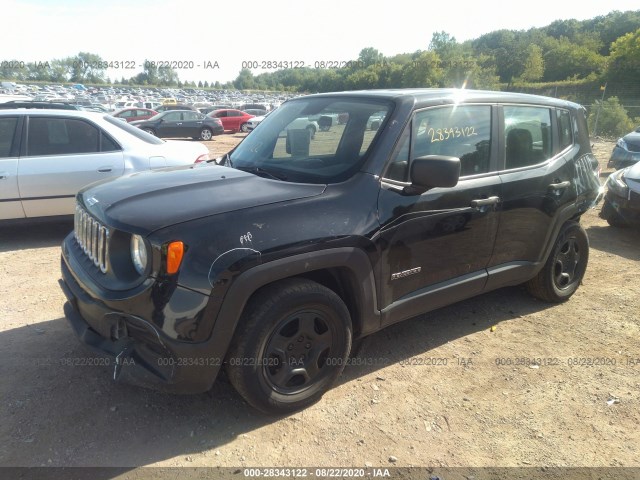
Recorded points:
(175, 251)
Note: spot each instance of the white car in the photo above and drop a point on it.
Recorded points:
(299, 123)
(46, 156)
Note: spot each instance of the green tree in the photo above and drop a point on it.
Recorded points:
(86, 67)
(167, 76)
(423, 71)
(533, 65)
(624, 61)
(369, 56)
(611, 117)
(244, 80)
(564, 59)
(13, 70)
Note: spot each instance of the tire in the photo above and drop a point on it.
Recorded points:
(563, 272)
(243, 128)
(206, 134)
(292, 342)
(312, 131)
(150, 131)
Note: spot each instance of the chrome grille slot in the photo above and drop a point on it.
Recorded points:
(93, 238)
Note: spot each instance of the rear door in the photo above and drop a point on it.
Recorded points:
(10, 203)
(537, 183)
(192, 123)
(60, 156)
(171, 125)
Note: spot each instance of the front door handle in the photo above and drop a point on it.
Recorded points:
(483, 202)
(4, 175)
(560, 186)
(105, 169)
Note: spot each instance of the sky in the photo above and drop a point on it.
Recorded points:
(226, 35)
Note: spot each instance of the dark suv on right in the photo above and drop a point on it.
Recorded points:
(271, 263)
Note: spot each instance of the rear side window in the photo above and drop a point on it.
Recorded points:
(462, 131)
(66, 136)
(527, 135)
(7, 131)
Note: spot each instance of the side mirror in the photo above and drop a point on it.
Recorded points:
(433, 171)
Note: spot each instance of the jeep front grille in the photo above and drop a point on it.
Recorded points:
(93, 238)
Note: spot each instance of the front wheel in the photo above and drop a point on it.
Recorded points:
(563, 272)
(292, 342)
(206, 134)
(244, 128)
(150, 131)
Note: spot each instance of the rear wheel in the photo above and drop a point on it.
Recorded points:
(292, 342)
(206, 134)
(563, 272)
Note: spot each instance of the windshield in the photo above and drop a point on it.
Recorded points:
(313, 140)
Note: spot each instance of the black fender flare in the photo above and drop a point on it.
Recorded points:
(248, 282)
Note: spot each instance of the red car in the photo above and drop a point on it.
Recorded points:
(134, 113)
(234, 120)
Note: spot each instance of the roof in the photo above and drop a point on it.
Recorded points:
(53, 112)
(449, 95)
(15, 104)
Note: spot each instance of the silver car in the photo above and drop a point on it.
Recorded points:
(46, 156)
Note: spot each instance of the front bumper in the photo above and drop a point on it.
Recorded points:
(627, 208)
(139, 353)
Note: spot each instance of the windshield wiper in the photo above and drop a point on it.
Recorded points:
(262, 172)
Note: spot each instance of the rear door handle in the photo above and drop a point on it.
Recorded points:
(483, 202)
(105, 169)
(4, 175)
(560, 186)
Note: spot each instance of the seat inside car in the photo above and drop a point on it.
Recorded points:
(519, 148)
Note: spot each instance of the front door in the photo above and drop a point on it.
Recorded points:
(435, 246)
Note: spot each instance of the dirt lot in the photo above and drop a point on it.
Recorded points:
(484, 405)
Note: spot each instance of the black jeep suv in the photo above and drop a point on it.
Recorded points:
(272, 262)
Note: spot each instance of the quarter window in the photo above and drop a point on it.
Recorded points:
(527, 135)
(565, 132)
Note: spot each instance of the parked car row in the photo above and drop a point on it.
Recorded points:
(181, 123)
(46, 156)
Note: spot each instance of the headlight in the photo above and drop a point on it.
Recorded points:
(139, 255)
(616, 183)
(622, 144)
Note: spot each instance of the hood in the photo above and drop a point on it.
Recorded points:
(147, 201)
(633, 138)
(633, 173)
